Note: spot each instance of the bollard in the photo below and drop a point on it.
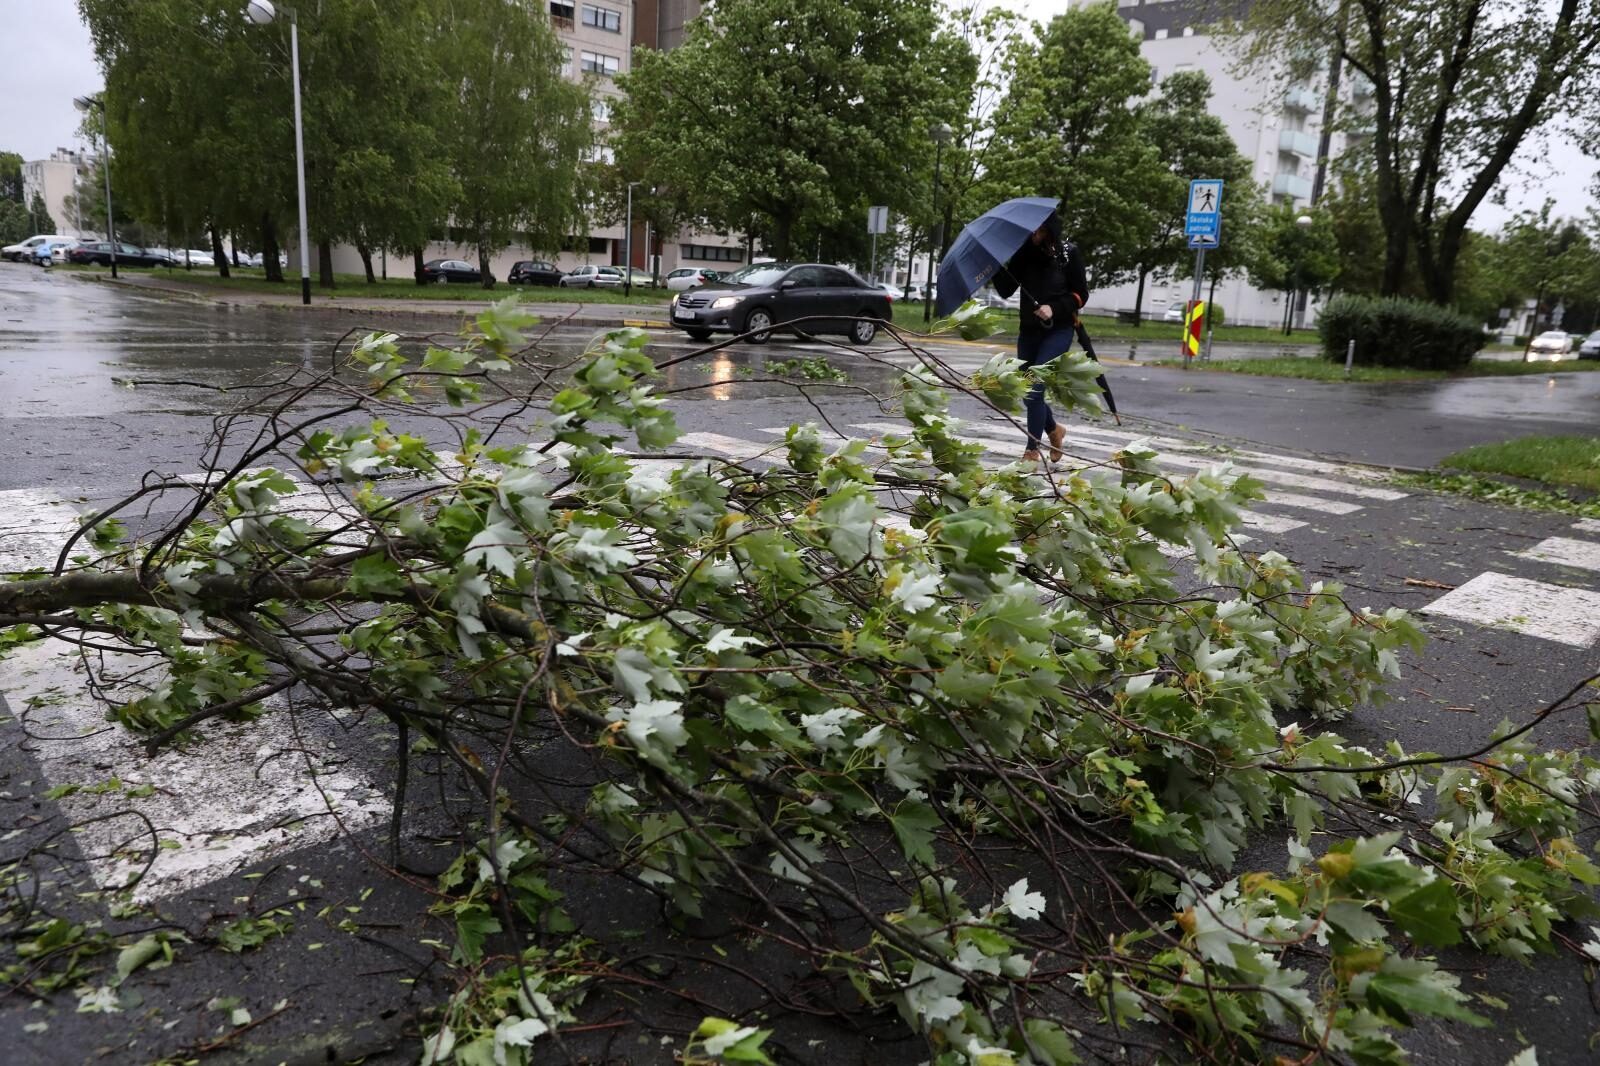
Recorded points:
(1349, 357)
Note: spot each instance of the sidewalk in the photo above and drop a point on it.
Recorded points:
(577, 314)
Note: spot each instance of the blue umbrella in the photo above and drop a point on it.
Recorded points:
(986, 245)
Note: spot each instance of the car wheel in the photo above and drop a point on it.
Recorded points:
(701, 335)
(863, 329)
(758, 324)
(441, 280)
(591, 284)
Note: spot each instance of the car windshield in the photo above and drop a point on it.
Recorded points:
(760, 274)
(1553, 335)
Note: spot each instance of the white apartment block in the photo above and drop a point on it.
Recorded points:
(57, 178)
(1278, 129)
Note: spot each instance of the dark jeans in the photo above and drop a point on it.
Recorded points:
(1033, 349)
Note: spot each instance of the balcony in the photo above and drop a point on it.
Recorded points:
(1301, 99)
(1291, 185)
(563, 24)
(1298, 142)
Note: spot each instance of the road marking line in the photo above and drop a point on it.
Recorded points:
(1309, 503)
(1269, 523)
(1534, 608)
(734, 447)
(1584, 554)
(34, 524)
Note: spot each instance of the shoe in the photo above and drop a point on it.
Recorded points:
(1031, 455)
(1056, 436)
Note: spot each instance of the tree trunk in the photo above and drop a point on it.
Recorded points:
(782, 230)
(366, 262)
(269, 247)
(1288, 310)
(217, 253)
(325, 264)
(416, 265)
(483, 268)
(1533, 324)
(1138, 298)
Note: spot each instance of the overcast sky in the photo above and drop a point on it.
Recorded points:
(49, 61)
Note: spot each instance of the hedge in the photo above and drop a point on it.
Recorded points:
(1395, 332)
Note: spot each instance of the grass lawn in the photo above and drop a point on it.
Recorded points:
(354, 286)
(1565, 461)
(1323, 370)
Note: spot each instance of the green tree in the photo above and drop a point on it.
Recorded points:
(1455, 91)
(1185, 142)
(1550, 260)
(39, 215)
(788, 116)
(517, 132)
(11, 177)
(1295, 257)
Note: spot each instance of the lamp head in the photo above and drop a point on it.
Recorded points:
(1303, 220)
(260, 12)
(85, 103)
(941, 133)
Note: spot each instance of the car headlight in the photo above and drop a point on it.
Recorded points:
(722, 303)
(674, 301)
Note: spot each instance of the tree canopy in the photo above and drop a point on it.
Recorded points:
(784, 116)
(1456, 90)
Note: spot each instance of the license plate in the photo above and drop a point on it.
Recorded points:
(687, 316)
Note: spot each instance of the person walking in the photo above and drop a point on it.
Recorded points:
(1049, 271)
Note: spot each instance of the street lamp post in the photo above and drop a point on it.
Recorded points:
(627, 273)
(1296, 309)
(940, 133)
(84, 103)
(262, 12)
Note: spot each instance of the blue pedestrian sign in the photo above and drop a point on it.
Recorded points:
(1204, 219)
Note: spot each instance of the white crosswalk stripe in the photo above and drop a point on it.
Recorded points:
(34, 524)
(1535, 608)
(1565, 551)
(1587, 525)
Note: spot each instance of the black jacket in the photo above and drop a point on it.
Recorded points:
(1047, 273)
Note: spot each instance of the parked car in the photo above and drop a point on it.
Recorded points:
(891, 291)
(914, 291)
(1590, 348)
(128, 255)
(193, 257)
(690, 278)
(991, 298)
(1175, 311)
(24, 249)
(440, 271)
(591, 277)
(641, 278)
(805, 297)
(257, 259)
(1552, 345)
(534, 272)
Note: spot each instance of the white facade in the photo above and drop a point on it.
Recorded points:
(1279, 130)
(56, 179)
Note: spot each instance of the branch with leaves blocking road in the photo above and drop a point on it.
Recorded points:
(948, 734)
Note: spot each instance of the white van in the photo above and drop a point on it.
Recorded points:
(24, 250)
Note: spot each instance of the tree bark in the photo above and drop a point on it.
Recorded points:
(366, 262)
(1138, 299)
(416, 265)
(325, 264)
(483, 268)
(217, 253)
(269, 247)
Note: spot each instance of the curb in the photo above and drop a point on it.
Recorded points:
(333, 305)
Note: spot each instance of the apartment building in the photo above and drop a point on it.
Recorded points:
(57, 179)
(1279, 129)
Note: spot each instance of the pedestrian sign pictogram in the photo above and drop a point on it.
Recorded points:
(1204, 218)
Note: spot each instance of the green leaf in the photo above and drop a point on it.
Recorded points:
(376, 575)
(473, 925)
(1402, 995)
(914, 823)
(136, 955)
(1428, 915)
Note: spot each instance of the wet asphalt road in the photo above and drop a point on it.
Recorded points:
(65, 422)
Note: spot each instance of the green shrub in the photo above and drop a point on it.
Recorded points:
(1215, 315)
(1395, 332)
(1521, 340)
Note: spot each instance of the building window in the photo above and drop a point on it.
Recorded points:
(563, 14)
(599, 245)
(1136, 27)
(1188, 31)
(602, 18)
(709, 254)
(599, 63)
(566, 58)
(601, 108)
(1161, 34)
